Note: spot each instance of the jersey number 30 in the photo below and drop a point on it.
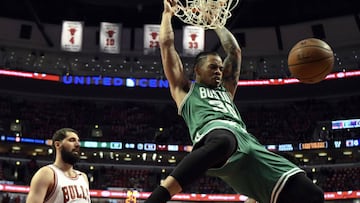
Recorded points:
(223, 107)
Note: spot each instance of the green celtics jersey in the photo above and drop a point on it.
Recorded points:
(203, 104)
(252, 170)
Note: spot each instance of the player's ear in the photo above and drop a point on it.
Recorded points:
(57, 144)
(196, 70)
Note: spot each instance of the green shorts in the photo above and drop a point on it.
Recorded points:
(252, 170)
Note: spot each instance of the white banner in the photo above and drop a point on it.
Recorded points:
(193, 40)
(151, 38)
(72, 36)
(110, 38)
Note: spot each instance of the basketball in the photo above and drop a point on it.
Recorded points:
(310, 60)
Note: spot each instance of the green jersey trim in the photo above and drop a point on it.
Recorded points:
(185, 98)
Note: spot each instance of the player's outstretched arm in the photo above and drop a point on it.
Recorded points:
(171, 61)
(232, 62)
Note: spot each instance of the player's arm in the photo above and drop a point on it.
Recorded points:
(86, 178)
(41, 182)
(232, 61)
(171, 61)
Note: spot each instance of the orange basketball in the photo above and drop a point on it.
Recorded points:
(310, 60)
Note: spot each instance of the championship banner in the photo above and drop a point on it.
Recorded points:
(110, 38)
(72, 36)
(193, 40)
(151, 38)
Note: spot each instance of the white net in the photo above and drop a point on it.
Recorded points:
(209, 14)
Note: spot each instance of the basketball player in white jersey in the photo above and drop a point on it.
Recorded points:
(59, 182)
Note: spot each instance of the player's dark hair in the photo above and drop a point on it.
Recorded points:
(61, 134)
(199, 58)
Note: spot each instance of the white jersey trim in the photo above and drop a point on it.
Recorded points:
(281, 183)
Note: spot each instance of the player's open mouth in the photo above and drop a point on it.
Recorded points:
(218, 79)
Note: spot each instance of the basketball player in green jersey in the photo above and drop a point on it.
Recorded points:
(221, 145)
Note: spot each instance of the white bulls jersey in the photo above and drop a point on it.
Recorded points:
(68, 190)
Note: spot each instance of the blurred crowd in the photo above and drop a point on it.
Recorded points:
(149, 66)
(306, 120)
(146, 178)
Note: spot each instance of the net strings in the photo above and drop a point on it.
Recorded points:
(209, 14)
